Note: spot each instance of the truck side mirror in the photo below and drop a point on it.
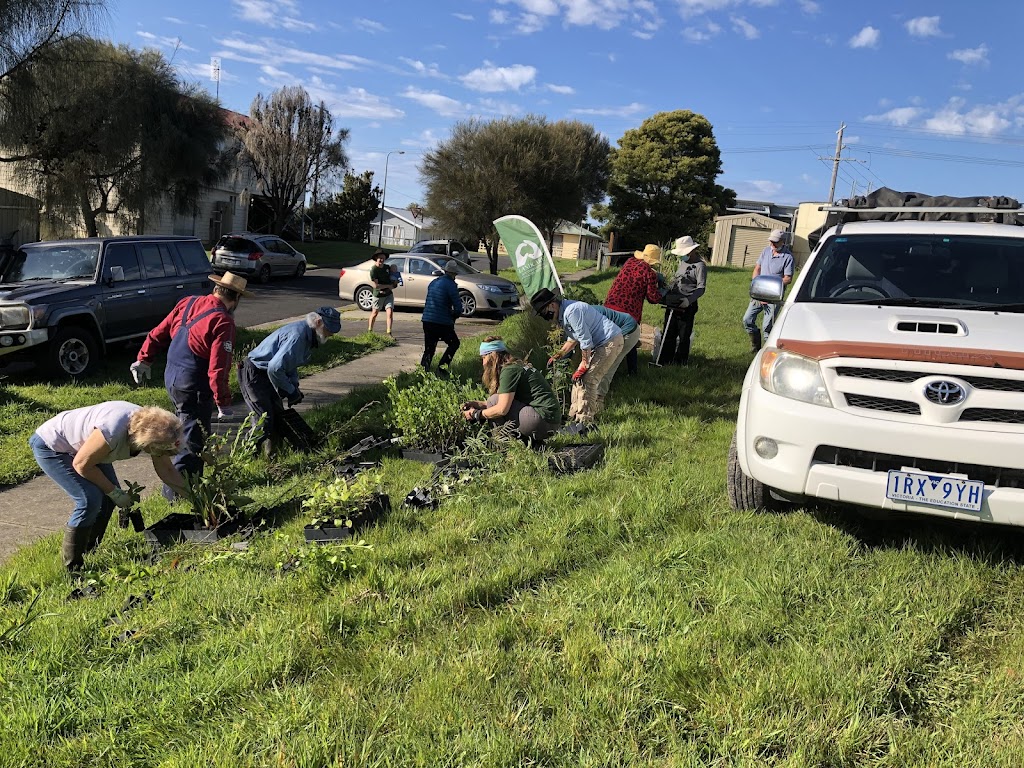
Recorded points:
(116, 275)
(768, 288)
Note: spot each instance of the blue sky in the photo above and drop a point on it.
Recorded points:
(930, 92)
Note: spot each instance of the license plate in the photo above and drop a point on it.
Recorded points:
(229, 260)
(938, 490)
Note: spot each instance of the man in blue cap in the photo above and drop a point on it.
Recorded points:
(269, 376)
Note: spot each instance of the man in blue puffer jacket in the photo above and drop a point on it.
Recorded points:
(443, 306)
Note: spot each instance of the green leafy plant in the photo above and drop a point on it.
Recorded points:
(427, 412)
(132, 515)
(578, 292)
(339, 503)
(214, 493)
(559, 373)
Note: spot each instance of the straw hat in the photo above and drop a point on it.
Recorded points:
(683, 245)
(232, 282)
(651, 254)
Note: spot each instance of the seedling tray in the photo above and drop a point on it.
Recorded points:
(297, 432)
(179, 526)
(423, 456)
(575, 458)
(375, 509)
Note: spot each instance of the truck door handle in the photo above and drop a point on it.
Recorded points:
(141, 292)
(179, 286)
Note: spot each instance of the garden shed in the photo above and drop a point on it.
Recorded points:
(740, 238)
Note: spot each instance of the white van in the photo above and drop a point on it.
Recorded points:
(893, 377)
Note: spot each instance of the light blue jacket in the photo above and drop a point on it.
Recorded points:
(584, 324)
(282, 352)
(625, 322)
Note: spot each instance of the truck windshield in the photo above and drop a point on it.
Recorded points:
(52, 262)
(918, 270)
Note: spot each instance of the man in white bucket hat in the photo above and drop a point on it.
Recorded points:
(685, 288)
(775, 259)
(199, 336)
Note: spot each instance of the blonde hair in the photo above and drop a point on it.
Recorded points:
(493, 362)
(153, 428)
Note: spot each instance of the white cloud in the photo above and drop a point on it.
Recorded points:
(158, 41)
(604, 14)
(499, 16)
(565, 90)
(428, 70)
(267, 51)
(866, 38)
(690, 8)
(744, 27)
(900, 116)
(627, 111)
(347, 103)
(443, 105)
(426, 140)
(273, 13)
(174, 20)
(764, 187)
(924, 26)
(368, 25)
(463, 16)
(495, 107)
(983, 120)
(491, 79)
(977, 55)
(809, 7)
(701, 35)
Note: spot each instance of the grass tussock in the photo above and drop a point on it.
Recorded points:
(619, 617)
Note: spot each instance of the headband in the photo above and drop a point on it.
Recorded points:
(492, 346)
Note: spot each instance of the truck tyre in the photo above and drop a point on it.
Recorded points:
(746, 493)
(73, 352)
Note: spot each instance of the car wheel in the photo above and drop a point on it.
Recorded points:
(746, 493)
(264, 274)
(301, 269)
(72, 353)
(468, 303)
(364, 298)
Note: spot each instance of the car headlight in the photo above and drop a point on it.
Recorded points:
(14, 318)
(491, 288)
(793, 376)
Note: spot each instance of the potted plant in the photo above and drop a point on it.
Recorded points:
(341, 506)
(213, 495)
(427, 415)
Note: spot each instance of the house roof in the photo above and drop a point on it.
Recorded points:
(568, 228)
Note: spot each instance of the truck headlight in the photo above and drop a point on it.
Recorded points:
(794, 376)
(14, 318)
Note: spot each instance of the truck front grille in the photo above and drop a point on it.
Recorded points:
(882, 404)
(999, 477)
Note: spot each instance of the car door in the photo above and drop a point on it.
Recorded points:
(270, 254)
(194, 268)
(126, 307)
(417, 279)
(163, 283)
(403, 267)
(288, 256)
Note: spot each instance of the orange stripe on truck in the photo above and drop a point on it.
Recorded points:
(823, 350)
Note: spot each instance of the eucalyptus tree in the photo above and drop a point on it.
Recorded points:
(291, 145)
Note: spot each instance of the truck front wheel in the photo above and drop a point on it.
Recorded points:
(746, 492)
(73, 352)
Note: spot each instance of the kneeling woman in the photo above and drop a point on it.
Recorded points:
(520, 395)
(77, 449)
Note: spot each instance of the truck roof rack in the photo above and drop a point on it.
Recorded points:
(910, 209)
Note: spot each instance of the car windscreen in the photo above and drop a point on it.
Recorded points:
(967, 271)
(237, 245)
(460, 268)
(52, 262)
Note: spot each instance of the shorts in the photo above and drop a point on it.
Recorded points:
(384, 302)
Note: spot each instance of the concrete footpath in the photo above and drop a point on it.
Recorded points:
(39, 507)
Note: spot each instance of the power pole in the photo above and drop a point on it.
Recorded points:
(835, 163)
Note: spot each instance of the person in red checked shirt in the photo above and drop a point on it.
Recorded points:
(635, 282)
(199, 336)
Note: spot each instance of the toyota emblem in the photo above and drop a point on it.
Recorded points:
(944, 392)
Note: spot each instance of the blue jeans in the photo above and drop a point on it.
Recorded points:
(750, 317)
(58, 467)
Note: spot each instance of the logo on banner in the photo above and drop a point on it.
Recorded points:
(526, 252)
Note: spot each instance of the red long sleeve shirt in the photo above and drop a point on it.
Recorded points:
(636, 281)
(211, 339)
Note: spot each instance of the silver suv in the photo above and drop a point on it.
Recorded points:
(256, 257)
(452, 248)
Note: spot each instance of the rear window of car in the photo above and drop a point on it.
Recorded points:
(193, 257)
(237, 245)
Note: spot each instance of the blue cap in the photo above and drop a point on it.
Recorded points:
(331, 317)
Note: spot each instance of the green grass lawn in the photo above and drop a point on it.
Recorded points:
(26, 401)
(623, 616)
(338, 253)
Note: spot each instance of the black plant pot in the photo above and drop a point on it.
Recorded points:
(179, 526)
(423, 456)
(376, 508)
(575, 458)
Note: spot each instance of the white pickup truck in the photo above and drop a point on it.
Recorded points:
(893, 378)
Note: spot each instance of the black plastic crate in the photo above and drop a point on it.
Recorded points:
(574, 458)
(179, 526)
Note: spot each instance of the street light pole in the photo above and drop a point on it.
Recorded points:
(384, 193)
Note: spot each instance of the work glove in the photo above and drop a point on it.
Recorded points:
(553, 359)
(140, 371)
(295, 398)
(580, 372)
(225, 413)
(121, 498)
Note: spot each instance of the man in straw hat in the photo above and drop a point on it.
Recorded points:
(775, 259)
(199, 336)
(636, 281)
(686, 287)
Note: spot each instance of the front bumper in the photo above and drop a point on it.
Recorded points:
(17, 341)
(801, 469)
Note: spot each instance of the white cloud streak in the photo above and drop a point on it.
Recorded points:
(744, 27)
(282, 14)
(492, 79)
(924, 26)
(970, 56)
(443, 105)
(866, 38)
(627, 111)
(369, 25)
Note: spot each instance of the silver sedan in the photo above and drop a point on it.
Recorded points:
(479, 291)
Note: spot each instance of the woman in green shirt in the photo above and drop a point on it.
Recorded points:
(520, 395)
